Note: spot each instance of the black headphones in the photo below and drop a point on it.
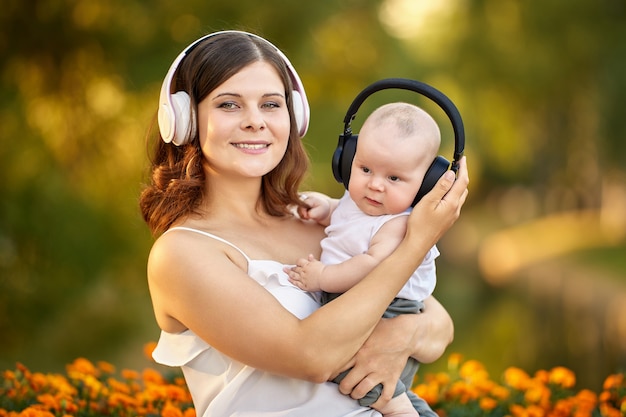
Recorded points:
(346, 147)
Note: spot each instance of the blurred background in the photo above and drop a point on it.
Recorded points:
(534, 272)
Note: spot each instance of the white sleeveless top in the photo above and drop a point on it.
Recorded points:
(221, 386)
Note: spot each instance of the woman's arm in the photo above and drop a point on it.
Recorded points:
(201, 284)
(434, 331)
(382, 358)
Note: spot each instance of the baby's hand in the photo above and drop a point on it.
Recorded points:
(306, 274)
(320, 207)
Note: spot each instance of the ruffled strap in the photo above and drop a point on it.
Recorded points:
(178, 349)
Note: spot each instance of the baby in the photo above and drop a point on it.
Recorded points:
(396, 145)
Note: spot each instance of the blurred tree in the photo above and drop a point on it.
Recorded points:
(544, 83)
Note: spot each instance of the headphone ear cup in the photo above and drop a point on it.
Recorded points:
(342, 158)
(181, 111)
(336, 162)
(439, 167)
(299, 112)
(166, 122)
(349, 149)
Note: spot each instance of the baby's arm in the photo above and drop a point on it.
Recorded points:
(311, 275)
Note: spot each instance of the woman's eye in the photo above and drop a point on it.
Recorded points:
(271, 105)
(228, 105)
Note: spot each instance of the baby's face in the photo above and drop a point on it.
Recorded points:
(388, 170)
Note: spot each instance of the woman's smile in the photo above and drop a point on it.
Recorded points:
(251, 146)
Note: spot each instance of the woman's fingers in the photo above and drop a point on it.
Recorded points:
(458, 190)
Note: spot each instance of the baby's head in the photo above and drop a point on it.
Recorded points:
(396, 145)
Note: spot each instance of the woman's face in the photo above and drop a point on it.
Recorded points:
(244, 123)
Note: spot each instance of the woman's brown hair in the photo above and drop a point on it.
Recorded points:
(177, 181)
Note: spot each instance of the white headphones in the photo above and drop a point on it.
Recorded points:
(174, 109)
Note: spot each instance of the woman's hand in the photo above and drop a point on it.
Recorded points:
(440, 208)
(383, 357)
(380, 360)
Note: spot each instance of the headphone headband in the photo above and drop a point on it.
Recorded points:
(347, 144)
(173, 115)
(419, 87)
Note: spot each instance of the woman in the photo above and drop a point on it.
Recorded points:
(223, 195)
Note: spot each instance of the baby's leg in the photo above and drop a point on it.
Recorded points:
(399, 406)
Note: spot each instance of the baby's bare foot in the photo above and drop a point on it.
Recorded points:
(399, 406)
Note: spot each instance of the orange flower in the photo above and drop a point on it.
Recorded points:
(118, 386)
(605, 396)
(458, 392)
(607, 411)
(176, 393)
(537, 393)
(170, 410)
(129, 374)
(487, 403)
(69, 406)
(518, 411)
(428, 392)
(148, 348)
(500, 392)
(151, 375)
(562, 407)
(454, 360)
(473, 370)
(118, 399)
(613, 381)
(23, 369)
(33, 411)
(82, 366)
(106, 367)
(542, 376)
(86, 392)
(562, 376)
(95, 387)
(535, 411)
(49, 401)
(38, 381)
(61, 385)
(586, 399)
(180, 381)
(516, 378)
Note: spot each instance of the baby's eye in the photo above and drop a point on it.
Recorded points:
(393, 178)
(366, 170)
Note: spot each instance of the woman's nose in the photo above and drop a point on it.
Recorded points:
(253, 119)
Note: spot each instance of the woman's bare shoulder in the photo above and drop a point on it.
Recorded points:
(190, 266)
(183, 248)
